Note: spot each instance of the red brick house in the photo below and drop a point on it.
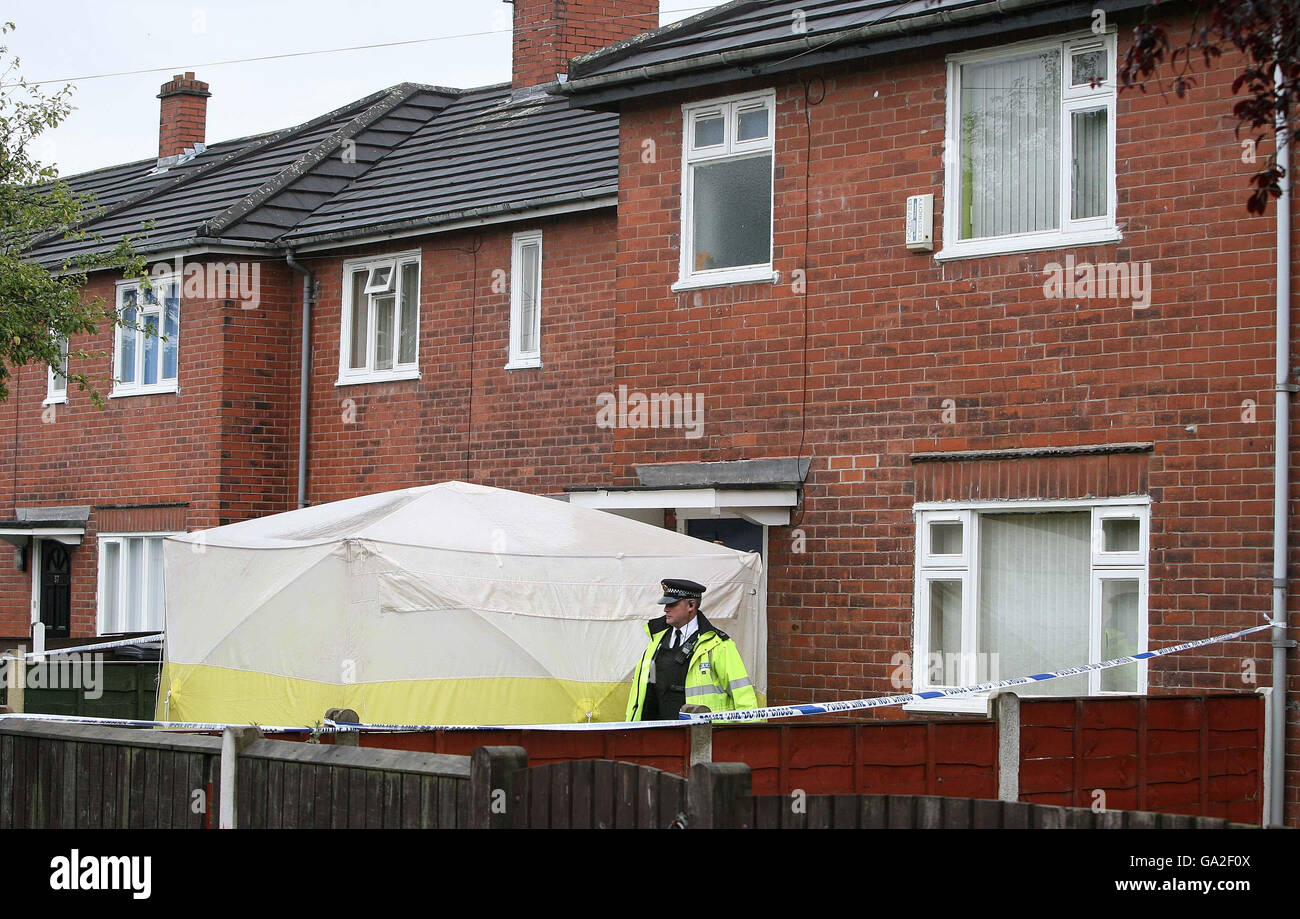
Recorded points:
(974, 432)
(976, 349)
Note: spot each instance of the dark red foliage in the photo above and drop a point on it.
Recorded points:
(1265, 31)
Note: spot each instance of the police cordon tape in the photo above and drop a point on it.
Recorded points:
(77, 649)
(145, 723)
(826, 708)
(748, 714)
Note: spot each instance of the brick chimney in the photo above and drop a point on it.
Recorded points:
(184, 118)
(550, 33)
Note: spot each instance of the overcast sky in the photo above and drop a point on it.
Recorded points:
(116, 120)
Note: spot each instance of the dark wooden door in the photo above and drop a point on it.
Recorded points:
(56, 589)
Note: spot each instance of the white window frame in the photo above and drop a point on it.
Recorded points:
(1113, 565)
(136, 387)
(56, 384)
(519, 358)
(373, 265)
(729, 149)
(1085, 231)
(379, 283)
(102, 540)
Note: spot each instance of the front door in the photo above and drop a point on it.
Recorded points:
(732, 532)
(56, 589)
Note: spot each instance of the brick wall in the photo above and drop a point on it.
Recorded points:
(468, 417)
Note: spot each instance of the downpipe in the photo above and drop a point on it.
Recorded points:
(1281, 476)
(304, 382)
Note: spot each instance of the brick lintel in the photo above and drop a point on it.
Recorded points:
(964, 456)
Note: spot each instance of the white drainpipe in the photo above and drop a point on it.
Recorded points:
(1281, 477)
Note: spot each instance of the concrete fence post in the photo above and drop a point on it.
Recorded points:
(16, 678)
(233, 741)
(347, 716)
(712, 790)
(701, 736)
(1007, 712)
(492, 786)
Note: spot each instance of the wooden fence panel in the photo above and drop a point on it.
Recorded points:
(596, 794)
(932, 812)
(73, 776)
(1194, 755)
(581, 774)
(7, 787)
(84, 776)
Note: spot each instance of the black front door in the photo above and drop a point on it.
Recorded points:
(731, 532)
(56, 589)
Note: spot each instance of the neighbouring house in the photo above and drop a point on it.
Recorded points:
(975, 349)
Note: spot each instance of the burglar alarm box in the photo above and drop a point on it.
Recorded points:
(920, 223)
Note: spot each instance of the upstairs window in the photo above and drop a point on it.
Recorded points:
(56, 387)
(525, 301)
(727, 190)
(148, 338)
(1031, 147)
(381, 319)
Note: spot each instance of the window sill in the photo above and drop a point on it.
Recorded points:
(525, 363)
(56, 400)
(972, 704)
(982, 704)
(378, 378)
(759, 275)
(144, 391)
(1012, 245)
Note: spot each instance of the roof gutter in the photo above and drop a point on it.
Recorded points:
(171, 251)
(456, 220)
(803, 46)
(472, 217)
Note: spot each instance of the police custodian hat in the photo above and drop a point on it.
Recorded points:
(676, 589)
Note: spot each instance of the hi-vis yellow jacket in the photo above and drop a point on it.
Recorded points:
(716, 676)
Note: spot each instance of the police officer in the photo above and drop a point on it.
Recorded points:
(688, 660)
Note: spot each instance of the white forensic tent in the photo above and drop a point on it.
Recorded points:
(443, 604)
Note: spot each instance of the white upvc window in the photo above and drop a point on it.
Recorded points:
(56, 384)
(1017, 588)
(525, 300)
(380, 338)
(147, 345)
(727, 190)
(1030, 147)
(131, 582)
